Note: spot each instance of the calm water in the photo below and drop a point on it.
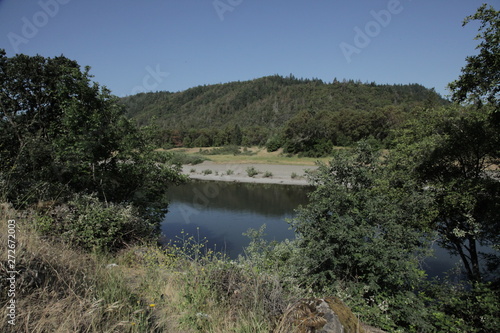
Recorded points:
(221, 212)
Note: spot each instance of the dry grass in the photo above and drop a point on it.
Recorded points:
(59, 289)
(260, 156)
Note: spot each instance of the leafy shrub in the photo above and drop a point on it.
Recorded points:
(207, 172)
(87, 223)
(319, 149)
(458, 307)
(251, 172)
(274, 143)
(355, 231)
(268, 174)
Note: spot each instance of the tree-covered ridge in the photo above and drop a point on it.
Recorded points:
(340, 112)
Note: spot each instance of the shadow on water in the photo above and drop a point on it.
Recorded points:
(264, 199)
(221, 212)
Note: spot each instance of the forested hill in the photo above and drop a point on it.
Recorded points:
(292, 112)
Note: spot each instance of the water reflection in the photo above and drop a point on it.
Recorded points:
(263, 199)
(221, 212)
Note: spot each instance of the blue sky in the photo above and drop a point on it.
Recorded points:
(173, 45)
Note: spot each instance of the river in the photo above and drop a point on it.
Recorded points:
(220, 212)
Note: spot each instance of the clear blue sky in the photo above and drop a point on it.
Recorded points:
(173, 45)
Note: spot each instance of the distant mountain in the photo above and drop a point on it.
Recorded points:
(283, 109)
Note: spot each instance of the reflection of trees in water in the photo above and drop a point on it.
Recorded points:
(265, 199)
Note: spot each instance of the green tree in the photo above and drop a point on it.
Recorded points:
(366, 229)
(61, 133)
(236, 136)
(464, 148)
(480, 78)
(450, 153)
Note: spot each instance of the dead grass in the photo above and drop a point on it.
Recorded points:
(260, 156)
(148, 289)
(59, 289)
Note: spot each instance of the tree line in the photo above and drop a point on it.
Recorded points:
(298, 115)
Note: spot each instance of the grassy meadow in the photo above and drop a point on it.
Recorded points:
(255, 154)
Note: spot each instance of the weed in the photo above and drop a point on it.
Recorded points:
(251, 171)
(268, 174)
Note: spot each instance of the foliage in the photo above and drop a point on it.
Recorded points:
(362, 229)
(298, 114)
(457, 307)
(89, 224)
(479, 81)
(274, 143)
(268, 174)
(452, 153)
(67, 290)
(252, 172)
(207, 172)
(60, 133)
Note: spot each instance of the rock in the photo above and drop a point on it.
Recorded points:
(322, 315)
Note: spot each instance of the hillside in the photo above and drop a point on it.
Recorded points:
(296, 113)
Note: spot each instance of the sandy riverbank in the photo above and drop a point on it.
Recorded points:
(268, 173)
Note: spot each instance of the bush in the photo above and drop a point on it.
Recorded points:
(459, 307)
(251, 172)
(87, 223)
(274, 143)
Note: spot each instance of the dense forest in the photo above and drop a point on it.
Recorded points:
(300, 115)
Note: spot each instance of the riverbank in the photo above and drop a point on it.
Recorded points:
(250, 172)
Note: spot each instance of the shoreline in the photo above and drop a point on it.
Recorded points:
(237, 172)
